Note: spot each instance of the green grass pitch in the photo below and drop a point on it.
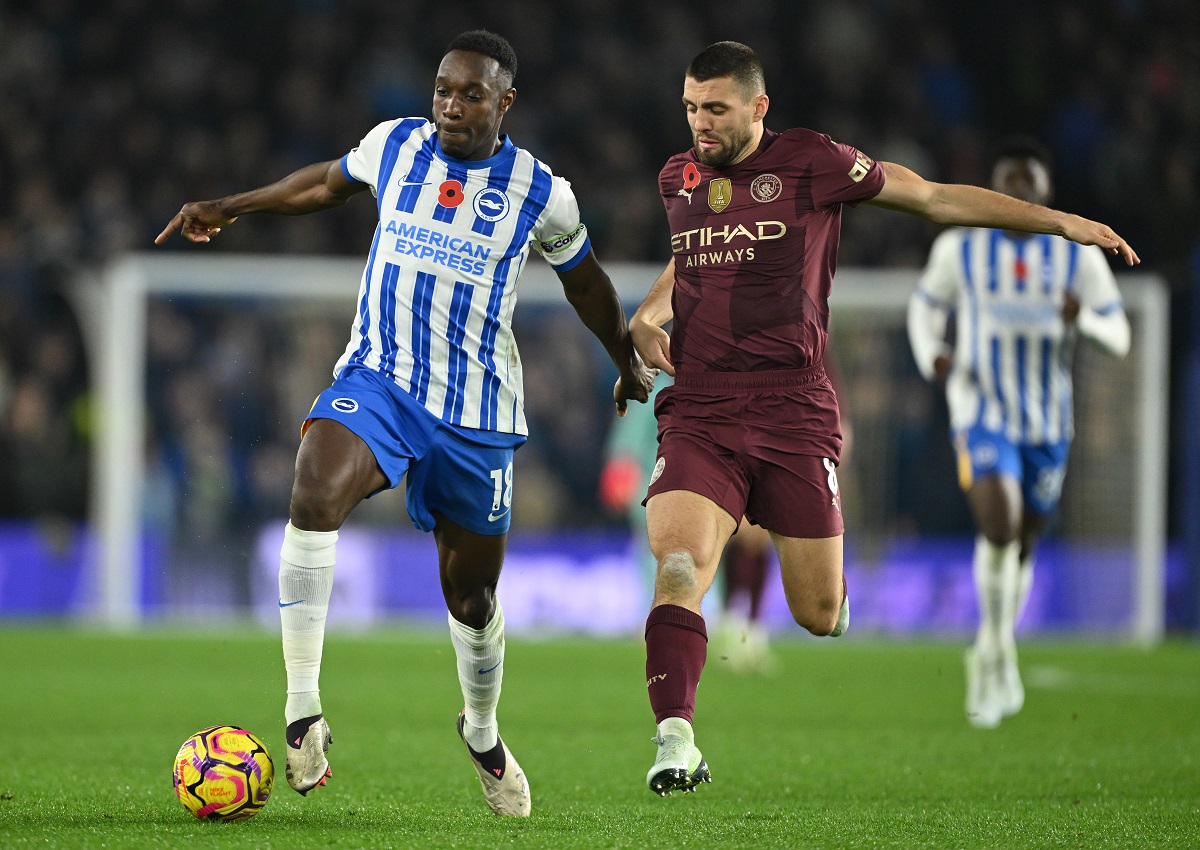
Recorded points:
(852, 743)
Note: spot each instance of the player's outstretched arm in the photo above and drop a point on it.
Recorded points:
(591, 293)
(973, 206)
(646, 327)
(315, 187)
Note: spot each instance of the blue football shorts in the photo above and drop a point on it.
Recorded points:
(465, 474)
(1040, 468)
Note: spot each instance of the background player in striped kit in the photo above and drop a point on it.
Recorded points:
(751, 424)
(1022, 300)
(430, 384)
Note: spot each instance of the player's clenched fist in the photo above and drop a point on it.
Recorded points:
(635, 385)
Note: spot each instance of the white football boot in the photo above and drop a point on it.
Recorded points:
(679, 765)
(754, 654)
(503, 781)
(308, 741)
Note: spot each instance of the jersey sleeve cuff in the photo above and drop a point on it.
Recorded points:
(577, 258)
(933, 301)
(346, 169)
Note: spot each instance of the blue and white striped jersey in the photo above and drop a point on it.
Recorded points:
(1012, 357)
(437, 295)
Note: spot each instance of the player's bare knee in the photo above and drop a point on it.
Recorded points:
(818, 616)
(312, 509)
(998, 528)
(827, 623)
(999, 534)
(677, 574)
(474, 610)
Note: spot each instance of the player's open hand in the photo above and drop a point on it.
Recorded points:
(653, 344)
(635, 383)
(1087, 232)
(198, 222)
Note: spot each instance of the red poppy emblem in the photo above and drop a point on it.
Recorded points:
(450, 193)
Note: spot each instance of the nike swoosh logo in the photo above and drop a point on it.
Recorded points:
(490, 669)
(411, 183)
(494, 517)
(283, 604)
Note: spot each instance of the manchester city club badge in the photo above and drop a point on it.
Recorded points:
(765, 187)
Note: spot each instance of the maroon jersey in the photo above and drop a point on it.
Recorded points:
(755, 248)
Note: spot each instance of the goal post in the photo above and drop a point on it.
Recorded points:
(113, 308)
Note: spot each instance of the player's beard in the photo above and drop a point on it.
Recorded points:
(732, 148)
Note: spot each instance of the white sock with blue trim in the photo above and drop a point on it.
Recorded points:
(995, 570)
(305, 582)
(1024, 587)
(480, 673)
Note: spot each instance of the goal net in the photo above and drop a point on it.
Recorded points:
(205, 365)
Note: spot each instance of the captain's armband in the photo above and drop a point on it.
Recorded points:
(561, 244)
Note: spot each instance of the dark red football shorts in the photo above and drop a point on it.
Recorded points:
(762, 444)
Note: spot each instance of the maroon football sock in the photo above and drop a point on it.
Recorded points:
(747, 574)
(676, 648)
(735, 581)
(760, 584)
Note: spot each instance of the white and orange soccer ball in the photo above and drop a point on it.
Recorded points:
(223, 773)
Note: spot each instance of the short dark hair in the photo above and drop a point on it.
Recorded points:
(488, 44)
(1023, 147)
(730, 59)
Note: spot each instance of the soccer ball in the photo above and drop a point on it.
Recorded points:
(223, 773)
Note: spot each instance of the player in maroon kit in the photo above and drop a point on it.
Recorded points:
(751, 424)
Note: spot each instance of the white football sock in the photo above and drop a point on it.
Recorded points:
(677, 726)
(305, 581)
(995, 570)
(480, 673)
(1024, 585)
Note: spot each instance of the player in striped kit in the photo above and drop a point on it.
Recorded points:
(430, 383)
(1022, 301)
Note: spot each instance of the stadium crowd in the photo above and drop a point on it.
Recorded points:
(112, 114)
